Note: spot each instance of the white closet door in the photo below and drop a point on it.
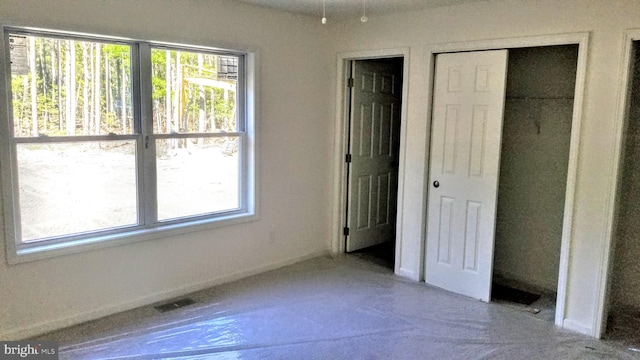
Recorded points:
(463, 173)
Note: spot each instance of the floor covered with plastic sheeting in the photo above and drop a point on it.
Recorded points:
(345, 308)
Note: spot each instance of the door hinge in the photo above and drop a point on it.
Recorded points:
(347, 158)
(345, 231)
(351, 82)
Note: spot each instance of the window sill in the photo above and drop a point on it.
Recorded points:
(45, 251)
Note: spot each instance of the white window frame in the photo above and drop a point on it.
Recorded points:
(148, 226)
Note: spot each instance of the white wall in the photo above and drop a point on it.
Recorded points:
(536, 135)
(625, 284)
(496, 19)
(295, 138)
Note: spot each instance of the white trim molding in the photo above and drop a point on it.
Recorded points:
(340, 148)
(612, 196)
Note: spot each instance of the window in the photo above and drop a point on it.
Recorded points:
(109, 139)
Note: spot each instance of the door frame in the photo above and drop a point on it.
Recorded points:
(341, 131)
(582, 40)
(615, 173)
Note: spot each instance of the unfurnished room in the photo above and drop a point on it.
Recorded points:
(320, 179)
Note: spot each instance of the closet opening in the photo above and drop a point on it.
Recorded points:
(534, 160)
(623, 322)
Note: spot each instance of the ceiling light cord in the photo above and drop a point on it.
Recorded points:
(364, 17)
(324, 12)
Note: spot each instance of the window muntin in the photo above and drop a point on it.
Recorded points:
(138, 166)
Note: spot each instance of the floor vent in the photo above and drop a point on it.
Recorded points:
(176, 304)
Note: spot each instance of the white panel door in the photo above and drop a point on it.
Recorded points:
(374, 147)
(468, 107)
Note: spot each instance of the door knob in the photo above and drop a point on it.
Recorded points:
(436, 184)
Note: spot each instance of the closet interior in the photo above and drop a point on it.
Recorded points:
(533, 175)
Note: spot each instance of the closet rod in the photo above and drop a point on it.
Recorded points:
(541, 97)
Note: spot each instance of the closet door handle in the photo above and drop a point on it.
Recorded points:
(436, 184)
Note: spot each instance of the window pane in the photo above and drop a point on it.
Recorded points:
(193, 92)
(76, 187)
(64, 87)
(197, 176)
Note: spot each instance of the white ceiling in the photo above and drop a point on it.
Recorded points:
(351, 8)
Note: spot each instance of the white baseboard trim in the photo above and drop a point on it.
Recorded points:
(45, 327)
(407, 274)
(568, 324)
